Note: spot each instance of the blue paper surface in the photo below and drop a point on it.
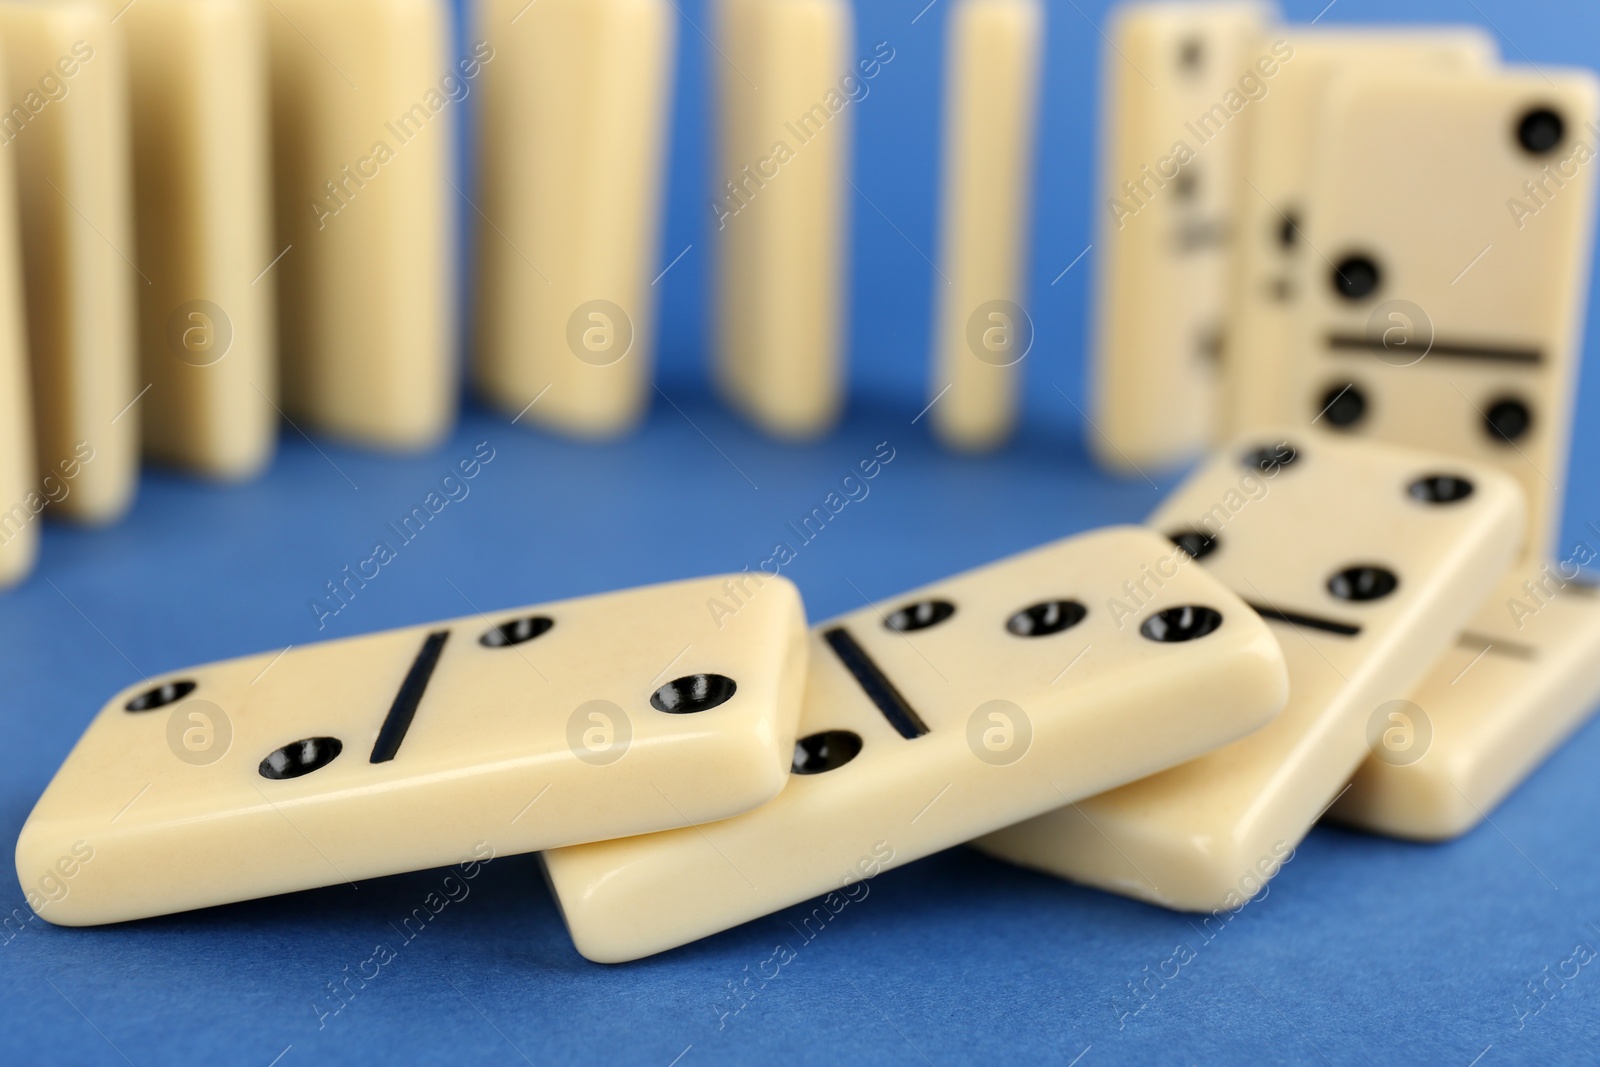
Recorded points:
(1363, 951)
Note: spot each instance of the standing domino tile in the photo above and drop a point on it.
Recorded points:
(364, 97)
(1524, 675)
(969, 704)
(1265, 303)
(1180, 81)
(983, 332)
(1454, 215)
(22, 497)
(780, 231)
(197, 74)
(568, 722)
(1366, 559)
(576, 96)
(78, 260)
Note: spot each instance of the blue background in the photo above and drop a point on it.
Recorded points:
(1363, 951)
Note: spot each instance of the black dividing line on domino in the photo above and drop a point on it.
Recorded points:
(901, 715)
(1310, 622)
(1355, 342)
(404, 708)
(1484, 644)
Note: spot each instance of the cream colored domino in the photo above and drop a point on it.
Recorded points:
(1367, 559)
(398, 751)
(1179, 82)
(575, 105)
(780, 233)
(22, 497)
(197, 72)
(947, 713)
(1523, 676)
(983, 330)
(66, 125)
(1264, 301)
(364, 101)
(1443, 311)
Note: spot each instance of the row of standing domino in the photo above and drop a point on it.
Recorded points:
(219, 226)
(233, 212)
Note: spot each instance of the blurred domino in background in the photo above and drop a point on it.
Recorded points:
(203, 219)
(22, 496)
(1266, 298)
(576, 98)
(1174, 116)
(781, 234)
(361, 149)
(1440, 315)
(79, 262)
(983, 330)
